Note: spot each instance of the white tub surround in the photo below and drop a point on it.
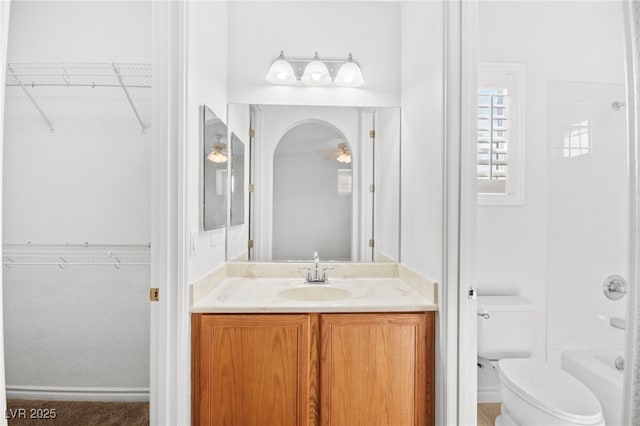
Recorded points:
(351, 287)
(597, 370)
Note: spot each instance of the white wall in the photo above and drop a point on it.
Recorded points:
(422, 159)
(368, 30)
(206, 63)
(87, 181)
(573, 41)
(422, 138)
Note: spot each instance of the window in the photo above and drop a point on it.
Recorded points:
(500, 142)
(344, 181)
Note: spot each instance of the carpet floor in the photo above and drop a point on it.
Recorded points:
(21, 412)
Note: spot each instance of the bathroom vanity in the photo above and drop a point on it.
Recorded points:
(277, 351)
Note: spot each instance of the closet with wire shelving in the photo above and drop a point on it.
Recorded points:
(76, 201)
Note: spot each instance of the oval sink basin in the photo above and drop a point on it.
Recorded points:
(314, 293)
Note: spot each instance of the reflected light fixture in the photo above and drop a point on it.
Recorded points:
(315, 72)
(345, 154)
(217, 154)
(345, 157)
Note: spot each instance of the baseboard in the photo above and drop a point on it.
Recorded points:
(49, 393)
(489, 395)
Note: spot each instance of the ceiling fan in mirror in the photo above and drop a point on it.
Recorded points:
(341, 154)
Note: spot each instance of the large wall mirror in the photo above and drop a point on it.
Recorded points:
(214, 147)
(323, 179)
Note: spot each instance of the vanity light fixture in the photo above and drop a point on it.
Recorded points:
(281, 72)
(217, 154)
(315, 72)
(349, 74)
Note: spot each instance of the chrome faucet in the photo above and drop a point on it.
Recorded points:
(315, 276)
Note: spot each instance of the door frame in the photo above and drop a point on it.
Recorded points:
(5, 11)
(170, 392)
(459, 313)
(170, 366)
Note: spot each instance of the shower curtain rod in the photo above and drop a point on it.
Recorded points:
(115, 75)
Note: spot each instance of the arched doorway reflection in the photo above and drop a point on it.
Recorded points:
(312, 194)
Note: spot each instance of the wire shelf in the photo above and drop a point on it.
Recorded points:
(63, 255)
(131, 75)
(122, 75)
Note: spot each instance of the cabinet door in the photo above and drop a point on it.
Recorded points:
(375, 369)
(251, 370)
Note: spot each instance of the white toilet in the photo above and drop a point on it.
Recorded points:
(533, 392)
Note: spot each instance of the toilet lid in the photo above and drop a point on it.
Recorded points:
(551, 390)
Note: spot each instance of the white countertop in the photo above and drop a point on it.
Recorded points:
(261, 295)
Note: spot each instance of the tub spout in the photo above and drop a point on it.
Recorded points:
(616, 322)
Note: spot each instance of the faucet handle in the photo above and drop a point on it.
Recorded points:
(309, 275)
(324, 273)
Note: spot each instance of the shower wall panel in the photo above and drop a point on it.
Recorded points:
(587, 214)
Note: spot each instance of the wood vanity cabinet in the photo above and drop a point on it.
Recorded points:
(313, 369)
(377, 369)
(251, 369)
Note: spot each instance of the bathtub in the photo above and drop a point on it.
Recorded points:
(597, 370)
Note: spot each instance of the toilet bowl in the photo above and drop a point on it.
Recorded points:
(533, 392)
(536, 393)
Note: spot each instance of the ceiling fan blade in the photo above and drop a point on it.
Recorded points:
(333, 154)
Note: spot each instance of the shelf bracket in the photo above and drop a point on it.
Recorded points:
(33, 101)
(126, 93)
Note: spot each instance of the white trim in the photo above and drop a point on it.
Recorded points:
(5, 9)
(169, 370)
(489, 395)
(52, 393)
(446, 357)
(630, 409)
(458, 331)
(468, 308)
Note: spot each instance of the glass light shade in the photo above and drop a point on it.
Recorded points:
(281, 72)
(217, 156)
(316, 73)
(349, 75)
(345, 157)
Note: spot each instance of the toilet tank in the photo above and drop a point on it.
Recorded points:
(505, 327)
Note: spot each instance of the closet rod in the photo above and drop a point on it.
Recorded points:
(62, 265)
(63, 255)
(86, 244)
